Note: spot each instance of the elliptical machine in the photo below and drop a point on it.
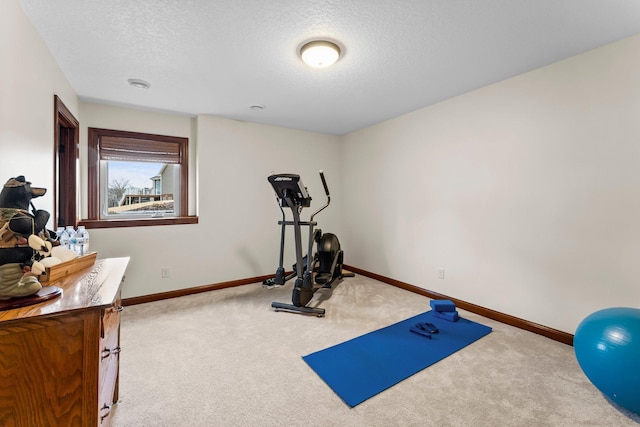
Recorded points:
(312, 271)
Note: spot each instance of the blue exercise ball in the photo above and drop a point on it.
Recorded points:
(607, 346)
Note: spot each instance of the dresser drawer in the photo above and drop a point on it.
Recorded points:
(110, 322)
(109, 361)
(107, 390)
(110, 318)
(109, 340)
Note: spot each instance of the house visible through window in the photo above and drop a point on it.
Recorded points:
(135, 176)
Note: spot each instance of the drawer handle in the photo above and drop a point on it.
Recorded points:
(109, 351)
(106, 414)
(116, 309)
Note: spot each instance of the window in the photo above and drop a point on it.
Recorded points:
(136, 179)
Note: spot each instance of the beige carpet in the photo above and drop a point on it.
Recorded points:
(225, 358)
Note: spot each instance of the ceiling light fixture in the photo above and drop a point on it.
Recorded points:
(320, 53)
(257, 107)
(140, 84)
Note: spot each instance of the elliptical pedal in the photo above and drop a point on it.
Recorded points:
(280, 279)
(270, 283)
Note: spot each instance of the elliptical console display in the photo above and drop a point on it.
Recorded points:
(290, 185)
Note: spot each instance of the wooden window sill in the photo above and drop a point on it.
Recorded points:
(114, 223)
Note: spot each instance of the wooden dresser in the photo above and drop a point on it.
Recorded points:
(59, 359)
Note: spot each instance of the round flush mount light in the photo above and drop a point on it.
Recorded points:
(257, 107)
(139, 83)
(320, 53)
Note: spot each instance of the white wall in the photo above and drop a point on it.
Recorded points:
(29, 79)
(526, 192)
(237, 234)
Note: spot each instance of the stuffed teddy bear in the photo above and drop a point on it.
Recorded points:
(24, 239)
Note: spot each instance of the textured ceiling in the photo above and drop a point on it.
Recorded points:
(221, 56)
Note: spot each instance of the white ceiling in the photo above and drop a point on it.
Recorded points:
(221, 56)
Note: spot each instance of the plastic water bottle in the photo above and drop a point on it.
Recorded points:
(64, 239)
(72, 238)
(82, 241)
(86, 241)
(74, 242)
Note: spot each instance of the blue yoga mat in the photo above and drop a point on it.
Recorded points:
(363, 367)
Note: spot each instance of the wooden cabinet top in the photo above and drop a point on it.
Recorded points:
(92, 287)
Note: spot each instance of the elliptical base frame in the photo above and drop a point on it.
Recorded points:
(316, 311)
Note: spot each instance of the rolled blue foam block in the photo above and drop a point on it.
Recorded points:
(442, 305)
(451, 316)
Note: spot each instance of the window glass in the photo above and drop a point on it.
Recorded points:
(138, 189)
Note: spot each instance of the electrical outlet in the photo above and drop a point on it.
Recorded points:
(165, 272)
(441, 273)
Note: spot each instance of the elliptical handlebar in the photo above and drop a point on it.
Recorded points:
(326, 191)
(324, 183)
